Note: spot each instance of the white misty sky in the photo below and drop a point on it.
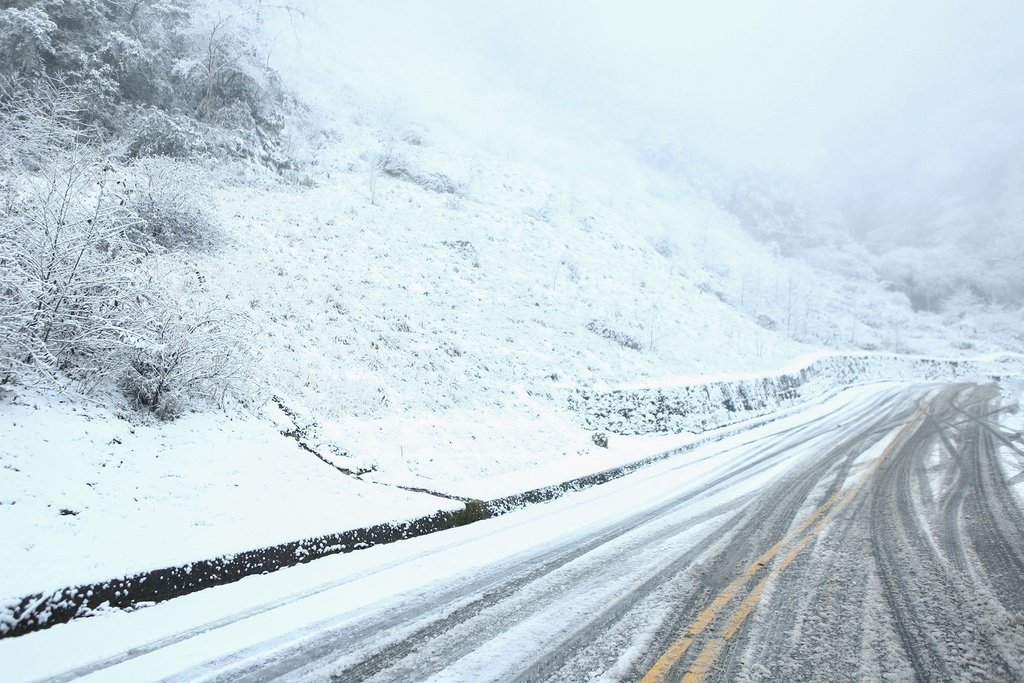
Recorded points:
(842, 95)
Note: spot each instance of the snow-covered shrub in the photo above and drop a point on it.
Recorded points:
(178, 78)
(437, 182)
(397, 167)
(34, 129)
(25, 41)
(372, 165)
(542, 213)
(183, 354)
(171, 200)
(572, 270)
(464, 249)
(70, 277)
(1001, 324)
(958, 305)
(392, 164)
(157, 133)
(665, 245)
(82, 306)
(620, 338)
(301, 141)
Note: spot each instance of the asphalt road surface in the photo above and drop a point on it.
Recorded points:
(881, 540)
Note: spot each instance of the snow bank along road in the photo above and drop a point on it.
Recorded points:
(875, 535)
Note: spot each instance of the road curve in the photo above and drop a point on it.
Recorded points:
(879, 541)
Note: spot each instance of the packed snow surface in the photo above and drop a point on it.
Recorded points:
(85, 496)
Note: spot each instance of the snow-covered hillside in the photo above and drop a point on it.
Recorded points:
(441, 278)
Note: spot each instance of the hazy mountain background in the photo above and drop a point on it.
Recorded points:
(895, 125)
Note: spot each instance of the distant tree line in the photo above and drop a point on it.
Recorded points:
(957, 253)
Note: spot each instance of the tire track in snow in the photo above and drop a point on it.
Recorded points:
(948, 623)
(890, 570)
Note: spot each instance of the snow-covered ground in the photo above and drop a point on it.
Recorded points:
(89, 496)
(85, 496)
(264, 607)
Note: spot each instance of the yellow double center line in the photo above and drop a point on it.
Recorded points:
(815, 521)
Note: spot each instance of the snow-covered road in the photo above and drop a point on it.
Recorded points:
(872, 535)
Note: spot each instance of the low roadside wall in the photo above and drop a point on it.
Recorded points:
(702, 405)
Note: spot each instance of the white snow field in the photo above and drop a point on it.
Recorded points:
(88, 497)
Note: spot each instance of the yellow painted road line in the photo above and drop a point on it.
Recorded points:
(677, 649)
(741, 613)
(704, 660)
(673, 654)
(819, 518)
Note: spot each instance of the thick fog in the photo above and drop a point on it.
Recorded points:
(905, 117)
(867, 93)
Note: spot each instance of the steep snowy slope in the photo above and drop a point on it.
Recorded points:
(465, 248)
